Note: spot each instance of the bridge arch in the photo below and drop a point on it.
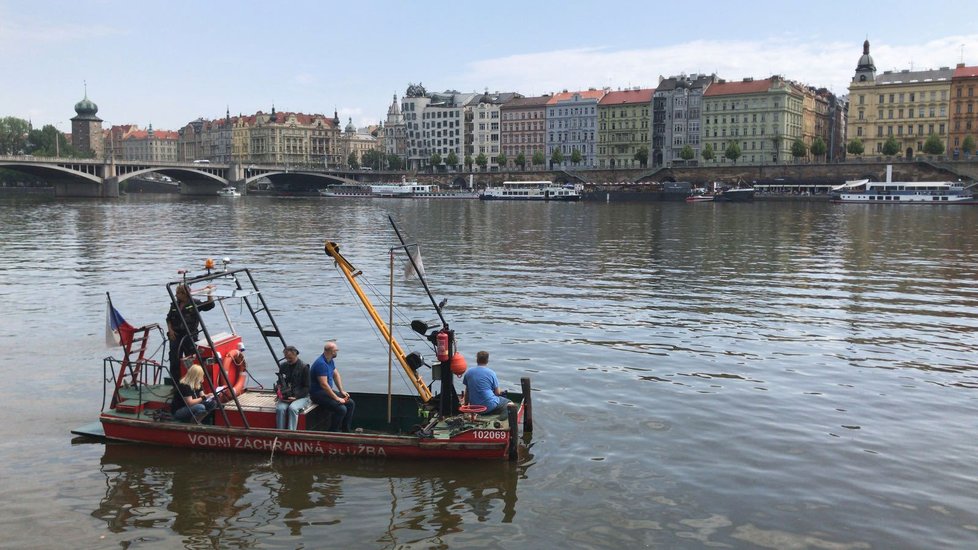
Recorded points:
(47, 170)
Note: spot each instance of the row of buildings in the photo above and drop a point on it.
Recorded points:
(678, 122)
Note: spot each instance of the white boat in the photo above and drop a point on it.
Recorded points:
(532, 191)
(346, 191)
(228, 192)
(902, 192)
(399, 190)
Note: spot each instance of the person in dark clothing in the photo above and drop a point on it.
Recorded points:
(293, 388)
(182, 342)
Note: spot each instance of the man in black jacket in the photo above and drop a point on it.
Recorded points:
(293, 388)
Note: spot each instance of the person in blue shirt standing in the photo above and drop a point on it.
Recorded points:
(482, 386)
(325, 376)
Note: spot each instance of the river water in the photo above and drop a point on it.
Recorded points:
(761, 375)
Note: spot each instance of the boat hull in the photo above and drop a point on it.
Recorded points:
(559, 198)
(473, 444)
(138, 419)
(735, 195)
(906, 199)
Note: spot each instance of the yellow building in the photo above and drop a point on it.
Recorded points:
(907, 105)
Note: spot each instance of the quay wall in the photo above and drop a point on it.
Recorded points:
(835, 173)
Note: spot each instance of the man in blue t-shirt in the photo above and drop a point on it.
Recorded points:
(324, 377)
(482, 386)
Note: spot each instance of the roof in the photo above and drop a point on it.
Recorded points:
(965, 72)
(914, 77)
(526, 102)
(743, 87)
(625, 97)
(568, 96)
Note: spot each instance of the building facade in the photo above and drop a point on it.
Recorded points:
(151, 146)
(964, 104)
(906, 105)
(280, 138)
(572, 128)
(763, 117)
(624, 120)
(395, 133)
(524, 128)
(487, 127)
(677, 107)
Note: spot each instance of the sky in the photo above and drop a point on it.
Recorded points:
(167, 63)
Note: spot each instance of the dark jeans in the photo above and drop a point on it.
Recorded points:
(342, 413)
(176, 352)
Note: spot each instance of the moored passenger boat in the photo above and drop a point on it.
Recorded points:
(902, 192)
(532, 191)
(137, 397)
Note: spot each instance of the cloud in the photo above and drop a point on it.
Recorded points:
(821, 64)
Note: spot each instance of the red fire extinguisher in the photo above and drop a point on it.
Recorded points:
(441, 346)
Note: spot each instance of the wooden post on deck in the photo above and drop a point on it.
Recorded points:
(527, 405)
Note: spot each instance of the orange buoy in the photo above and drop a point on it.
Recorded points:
(458, 365)
(234, 367)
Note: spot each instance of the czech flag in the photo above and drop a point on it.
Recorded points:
(118, 332)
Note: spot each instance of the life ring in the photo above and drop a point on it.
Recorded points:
(236, 373)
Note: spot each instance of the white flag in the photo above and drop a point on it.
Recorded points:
(409, 273)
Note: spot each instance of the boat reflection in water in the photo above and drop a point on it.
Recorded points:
(240, 499)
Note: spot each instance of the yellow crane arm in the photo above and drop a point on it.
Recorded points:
(350, 272)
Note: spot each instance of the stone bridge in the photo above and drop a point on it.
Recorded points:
(101, 178)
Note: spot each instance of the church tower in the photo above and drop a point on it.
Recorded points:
(86, 128)
(866, 69)
(394, 131)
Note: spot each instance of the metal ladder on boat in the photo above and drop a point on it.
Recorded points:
(134, 365)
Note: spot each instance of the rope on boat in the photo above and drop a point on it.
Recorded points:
(272, 456)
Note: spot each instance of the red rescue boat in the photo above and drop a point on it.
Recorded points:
(136, 407)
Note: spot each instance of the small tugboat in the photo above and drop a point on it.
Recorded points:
(229, 192)
(136, 396)
(699, 195)
(735, 194)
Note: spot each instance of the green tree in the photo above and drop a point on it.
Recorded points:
(575, 157)
(687, 153)
(352, 162)
(538, 158)
(933, 145)
(968, 145)
(642, 156)
(556, 157)
(798, 149)
(855, 147)
(452, 159)
(468, 162)
(435, 162)
(482, 160)
(373, 158)
(501, 160)
(521, 161)
(13, 135)
(891, 146)
(732, 152)
(818, 146)
(708, 153)
(394, 162)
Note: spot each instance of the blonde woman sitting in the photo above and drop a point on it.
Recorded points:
(188, 402)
